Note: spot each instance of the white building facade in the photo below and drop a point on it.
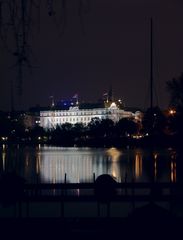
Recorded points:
(52, 118)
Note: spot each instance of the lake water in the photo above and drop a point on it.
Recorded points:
(48, 164)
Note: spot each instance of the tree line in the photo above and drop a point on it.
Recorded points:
(97, 132)
(156, 125)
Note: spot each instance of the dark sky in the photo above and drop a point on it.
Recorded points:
(113, 51)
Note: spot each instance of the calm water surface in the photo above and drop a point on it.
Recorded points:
(47, 164)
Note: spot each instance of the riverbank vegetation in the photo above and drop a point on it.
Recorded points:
(156, 128)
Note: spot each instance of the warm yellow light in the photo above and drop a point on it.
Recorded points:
(173, 171)
(114, 154)
(114, 173)
(138, 165)
(172, 111)
(4, 159)
(137, 136)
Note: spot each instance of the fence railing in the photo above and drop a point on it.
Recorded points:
(130, 189)
(129, 192)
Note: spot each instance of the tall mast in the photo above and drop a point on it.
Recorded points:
(12, 96)
(151, 65)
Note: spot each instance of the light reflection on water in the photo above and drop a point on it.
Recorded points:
(50, 164)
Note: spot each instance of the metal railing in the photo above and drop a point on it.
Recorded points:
(127, 192)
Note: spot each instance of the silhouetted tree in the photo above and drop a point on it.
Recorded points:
(56, 134)
(106, 128)
(64, 134)
(66, 127)
(78, 130)
(175, 88)
(154, 121)
(17, 129)
(36, 132)
(18, 20)
(93, 127)
(126, 126)
(5, 126)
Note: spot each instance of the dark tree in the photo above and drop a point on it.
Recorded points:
(175, 88)
(106, 128)
(154, 121)
(38, 131)
(5, 126)
(78, 130)
(56, 134)
(66, 127)
(93, 127)
(63, 134)
(126, 126)
(18, 20)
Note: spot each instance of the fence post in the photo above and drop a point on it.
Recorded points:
(27, 208)
(63, 191)
(125, 183)
(133, 194)
(94, 177)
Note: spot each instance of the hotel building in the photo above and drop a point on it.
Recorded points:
(52, 118)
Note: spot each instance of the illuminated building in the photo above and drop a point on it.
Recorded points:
(50, 119)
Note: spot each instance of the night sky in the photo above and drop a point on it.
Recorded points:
(113, 49)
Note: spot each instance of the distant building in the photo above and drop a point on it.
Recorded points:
(50, 119)
(32, 117)
(31, 120)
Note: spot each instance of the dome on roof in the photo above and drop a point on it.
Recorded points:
(113, 105)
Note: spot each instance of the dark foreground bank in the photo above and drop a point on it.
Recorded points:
(91, 228)
(147, 222)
